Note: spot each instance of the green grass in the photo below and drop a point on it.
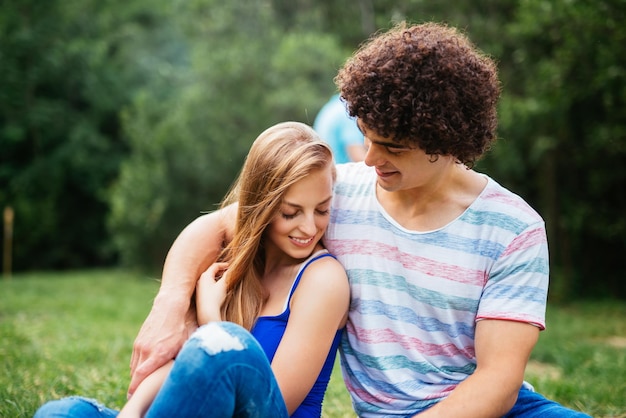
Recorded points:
(71, 333)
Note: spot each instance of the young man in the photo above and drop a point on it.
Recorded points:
(448, 270)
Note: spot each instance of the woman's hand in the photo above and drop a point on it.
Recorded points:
(210, 293)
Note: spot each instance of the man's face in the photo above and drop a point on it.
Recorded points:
(399, 167)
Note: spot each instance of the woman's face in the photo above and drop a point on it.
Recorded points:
(303, 216)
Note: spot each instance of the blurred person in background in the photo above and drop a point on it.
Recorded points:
(335, 126)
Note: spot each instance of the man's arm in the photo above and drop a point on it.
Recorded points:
(170, 321)
(138, 405)
(502, 351)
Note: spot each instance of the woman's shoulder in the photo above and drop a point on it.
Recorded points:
(324, 271)
(323, 286)
(321, 257)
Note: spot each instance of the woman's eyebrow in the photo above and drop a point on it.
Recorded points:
(295, 205)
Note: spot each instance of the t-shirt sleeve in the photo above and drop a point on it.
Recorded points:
(517, 286)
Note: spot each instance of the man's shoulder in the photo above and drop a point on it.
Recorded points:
(354, 187)
(498, 198)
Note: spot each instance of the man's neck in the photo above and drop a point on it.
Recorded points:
(436, 205)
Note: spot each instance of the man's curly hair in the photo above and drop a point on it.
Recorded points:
(427, 86)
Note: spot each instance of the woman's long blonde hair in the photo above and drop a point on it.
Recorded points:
(280, 156)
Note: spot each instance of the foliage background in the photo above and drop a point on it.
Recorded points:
(121, 121)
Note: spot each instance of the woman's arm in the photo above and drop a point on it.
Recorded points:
(138, 404)
(502, 351)
(318, 309)
(170, 321)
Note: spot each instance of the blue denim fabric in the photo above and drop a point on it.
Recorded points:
(531, 404)
(236, 380)
(75, 407)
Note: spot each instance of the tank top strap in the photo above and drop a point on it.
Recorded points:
(316, 256)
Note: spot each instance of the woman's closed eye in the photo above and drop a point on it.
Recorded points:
(289, 215)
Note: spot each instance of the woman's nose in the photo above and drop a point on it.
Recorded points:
(308, 225)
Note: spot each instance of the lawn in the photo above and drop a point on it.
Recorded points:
(72, 333)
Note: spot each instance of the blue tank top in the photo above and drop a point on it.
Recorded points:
(269, 330)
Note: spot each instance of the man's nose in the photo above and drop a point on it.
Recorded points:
(373, 156)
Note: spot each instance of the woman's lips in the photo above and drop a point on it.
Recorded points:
(302, 242)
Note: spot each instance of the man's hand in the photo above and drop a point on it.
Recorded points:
(160, 338)
(171, 321)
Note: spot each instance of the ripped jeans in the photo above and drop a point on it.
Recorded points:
(236, 380)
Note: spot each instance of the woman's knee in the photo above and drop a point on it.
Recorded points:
(74, 407)
(219, 370)
(217, 347)
(216, 338)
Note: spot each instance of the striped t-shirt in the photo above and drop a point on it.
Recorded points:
(416, 296)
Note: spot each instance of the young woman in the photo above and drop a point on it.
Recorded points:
(271, 310)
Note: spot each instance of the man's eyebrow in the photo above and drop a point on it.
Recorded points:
(388, 144)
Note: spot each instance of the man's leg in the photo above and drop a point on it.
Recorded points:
(221, 371)
(531, 404)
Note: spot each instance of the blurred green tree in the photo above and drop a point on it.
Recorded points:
(66, 68)
(196, 81)
(564, 128)
(246, 73)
